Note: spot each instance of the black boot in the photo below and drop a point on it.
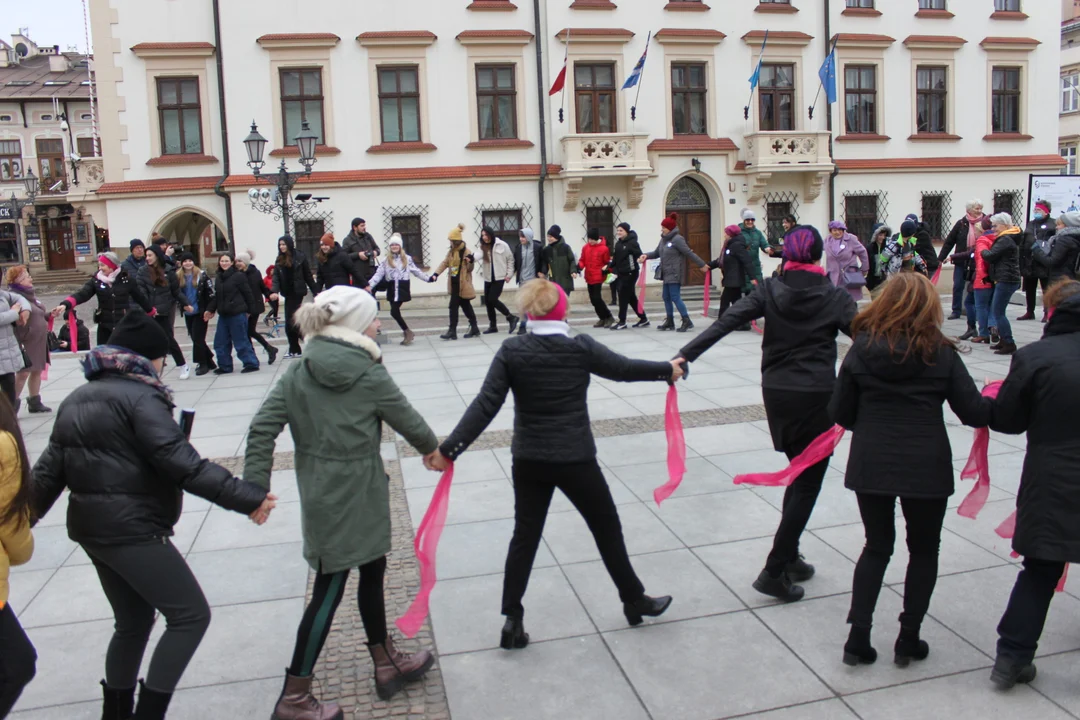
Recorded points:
(450, 334)
(969, 334)
(799, 570)
(474, 331)
(273, 353)
(1008, 672)
(668, 324)
(858, 649)
(780, 587)
(514, 320)
(117, 704)
(908, 646)
(152, 704)
(492, 329)
(36, 406)
(647, 606)
(686, 325)
(513, 634)
(1006, 348)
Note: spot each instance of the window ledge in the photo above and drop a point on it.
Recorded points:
(1008, 15)
(863, 137)
(934, 137)
(775, 8)
(861, 12)
(592, 5)
(184, 159)
(687, 6)
(293, 151)
(498, 144)
(402, 147)
(492, 6)
(1006, 137)
(935, 14)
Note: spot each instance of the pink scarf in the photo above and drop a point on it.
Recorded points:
(641, 290)
(974, 228)
(805, 267)
(676, 448)
(708, 285)
(426, 546)
(108, 279)
(937, 274)
(820, 448)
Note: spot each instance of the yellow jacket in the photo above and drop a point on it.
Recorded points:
(16, 542)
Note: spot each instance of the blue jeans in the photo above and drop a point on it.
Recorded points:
(232, 333)
(969, 309)
(982, 310)
(1003, 292)
(958, 282)
(673, 301)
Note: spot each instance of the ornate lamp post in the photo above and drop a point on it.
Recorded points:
(276, 202)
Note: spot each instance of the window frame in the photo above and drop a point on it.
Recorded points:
(930, 93)
(776, 92)
(496, 94)
(605, 225)
(179, 108)
(933, 5)
(290, 138)
(859, 92)
(84, 142)
(1068, 152)
(1006, 95)
(411, 237)
(860, 221)
(1072, 91)
(11, 158)
(58, 159)
(398, 96)
(859, 4)
(595, 93)
(1004, 6)
(487, 219)
(687, 93)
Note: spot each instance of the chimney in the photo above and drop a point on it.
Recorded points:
(58, 64)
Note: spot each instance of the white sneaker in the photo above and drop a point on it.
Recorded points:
(185, 372)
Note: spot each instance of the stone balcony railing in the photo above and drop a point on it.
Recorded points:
(778, 151)
(598, 155)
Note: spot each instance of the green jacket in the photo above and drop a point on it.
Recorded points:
(560, 264)
(755, 244)
(335, 400)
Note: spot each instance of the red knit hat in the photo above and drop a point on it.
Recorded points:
(670, 222)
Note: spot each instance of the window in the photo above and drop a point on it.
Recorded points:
(775, 212)
(1070, 91)
(860, 213)
(776, 97)
(9, 248)
(180, 116)
(1007, 5)
(930, 96)
(1005, 111)
(86, 147)
(1008, 201)
(688, 99)
(603, 219)
(860, 3)
(302, 101)
(307, 234)
(1069, 153)
(410, 228)
(6, 118)
(860, 99)
(932, 5)
(11, 165)
(86, 116)
(496, 102)
(399, 103)
(933, 213)
(594, 96)
(505, 223)
(53, 173)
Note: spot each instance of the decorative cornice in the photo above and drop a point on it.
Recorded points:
(778, 37)
(1008, 15)
(693, 143)
(934, 42)
(593, 5)
(782, 8)
(1018, 44)
(861, 40)
(173, 49)
(184, 159)
(402, 147)
(298, 40)
(952, 163)
(397, 37)
(861, 12)
(293, 151)
(495, 37)
(687, 6)
(934, 14)
(694, 36)
(492, 6)
(610, 35)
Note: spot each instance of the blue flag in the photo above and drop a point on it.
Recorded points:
(635, 74)
(757, 71)
(827, 73)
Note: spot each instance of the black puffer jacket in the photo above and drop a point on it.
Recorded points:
(116, 445)
(1040, 397)
(337, 268)
(549, 376)
(258, 289)
(804, 313)
(1003, 258)
(924, 246)
(1061, 261)
(624, 258)
(113, 301)
(735, 262)
(353, 245)
(900, 446)
(1035, 232)
(293, 280)
(161, 297)
(232, 293)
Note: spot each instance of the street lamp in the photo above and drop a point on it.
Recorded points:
(277, 204)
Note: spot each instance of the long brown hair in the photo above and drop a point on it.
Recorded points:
(18, 510)
(157, 273)
(908, 309)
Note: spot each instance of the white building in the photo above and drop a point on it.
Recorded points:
(430, 112)
(1069, 128)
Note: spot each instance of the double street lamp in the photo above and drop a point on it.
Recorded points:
(15, 205)
(276, 203)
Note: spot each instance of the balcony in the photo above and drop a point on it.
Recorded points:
(787, 152)
(602, 155)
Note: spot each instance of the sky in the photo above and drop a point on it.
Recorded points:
(51, 22)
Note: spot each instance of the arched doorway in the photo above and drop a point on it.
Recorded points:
(195, 231)
(688, 198)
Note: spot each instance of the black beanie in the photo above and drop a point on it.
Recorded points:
(138, 333)
(184, 257)
(156, 249)
(594, 233)
(555, 231)
(137, 243)
(625, 226)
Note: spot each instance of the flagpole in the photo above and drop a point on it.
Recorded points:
(755, 78)
(821, 83)
(641, 75)
(565, 61)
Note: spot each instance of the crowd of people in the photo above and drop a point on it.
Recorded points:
(125, 496)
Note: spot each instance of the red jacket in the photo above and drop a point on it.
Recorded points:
(268, 280)
(594, 258)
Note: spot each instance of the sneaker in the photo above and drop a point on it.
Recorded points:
(291, 355)
(1007, 673)
(643, 322)
(185, 372)
(799, 570)
(618, 326)
(250, 369)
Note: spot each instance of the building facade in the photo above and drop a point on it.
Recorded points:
(433, 113)
(1069, 107)
(47, 129)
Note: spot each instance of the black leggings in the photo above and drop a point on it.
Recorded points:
(292, 304)
(7, 386)
(596, 297)
(319, 615)
(624, 286)
(456, 302)
(18, 661)
(924, 517)
(492, 292)
(729, 296)
(1031, 286)
(139, 579)
(200, 351)
(395, 312)
(165, 320)
(253, 331)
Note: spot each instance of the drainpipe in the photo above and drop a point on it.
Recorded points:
(828, 121)
(542, 100)
(224, 129)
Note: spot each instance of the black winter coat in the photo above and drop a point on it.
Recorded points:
(735, 262)
(355, 244)
(1040, 397)
(1040, 231)
(900, 446)
(258, 289)
(549, 376)
(956, 240)
(296, 280)
(113, 301)
(804, 313)
(924, 246)
(538, 259)
(232, 294)
(624, 258)
(161, 297)
(1062, 260)
(1003, 258)
(117, 447)
(337, 268)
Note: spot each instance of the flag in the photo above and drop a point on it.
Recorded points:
(635, 74)
(757, 71)
(560, 81)
(827, 73)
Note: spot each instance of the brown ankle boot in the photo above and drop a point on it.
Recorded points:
(394, 668)
(408, 338)
(297, 702)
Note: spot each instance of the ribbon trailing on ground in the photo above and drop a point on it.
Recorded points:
(641, 290)
(822, 447)
(1007, 530)
(756, 328)
(426, 547)
(676, 448)
(708, 286)
(937, 274)
(978, 465)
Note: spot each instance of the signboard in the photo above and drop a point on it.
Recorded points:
(35, 254)
(1062, 191)
(82, 248)
(5, 212)
(33, 236)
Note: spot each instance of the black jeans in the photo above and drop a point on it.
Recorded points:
(253, 331)
(104, 332)
(196, 328)
(795, 420)
(319, 616)
(1031, 286)
(395, 312)
(18, 660)
(729, 296)
(292, 304)
(584, 485)
(492, 291)
(456, 301)
(624, 286)
(1022, 624)
(139, 579)
(958, 285)
(7, 386)
(924, 517)
(596, 297)
(166, 323)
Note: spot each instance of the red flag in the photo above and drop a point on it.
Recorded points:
(560, 81)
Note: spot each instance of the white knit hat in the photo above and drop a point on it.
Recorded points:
(395, 239)
(349, 307)
(243, 257)
(748, 214)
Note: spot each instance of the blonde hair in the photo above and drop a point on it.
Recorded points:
(312, 318)
(538, 297)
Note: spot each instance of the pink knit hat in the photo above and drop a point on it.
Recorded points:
(558, 312)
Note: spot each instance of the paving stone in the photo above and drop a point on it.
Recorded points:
(480, 548)
(821, 710)
(721, 517)
(570, 541)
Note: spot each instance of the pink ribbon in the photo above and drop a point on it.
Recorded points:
(756, 328)
(708, 286)
(73, 335)
(937, 274)
(822, 447)
(426, 546)
(978, 465)
(676, 448)
(641, 289)
(45, 372)
(1007, 530)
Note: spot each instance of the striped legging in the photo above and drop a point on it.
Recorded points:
(319, 615)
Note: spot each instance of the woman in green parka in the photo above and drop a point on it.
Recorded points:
(335, 401)
(755, 241)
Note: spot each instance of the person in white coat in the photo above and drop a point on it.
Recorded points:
(394, 271)
(496, 267)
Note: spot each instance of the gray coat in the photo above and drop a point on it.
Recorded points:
(673, 252)
(11, 360)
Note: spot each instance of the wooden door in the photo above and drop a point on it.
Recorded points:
(61, 248)
(698, 237)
